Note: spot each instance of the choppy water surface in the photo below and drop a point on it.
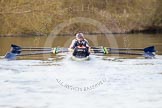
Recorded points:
(101, 82)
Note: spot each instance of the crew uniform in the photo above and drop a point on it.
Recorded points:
(80, 46)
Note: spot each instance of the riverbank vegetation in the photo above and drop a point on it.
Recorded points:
(40, 17)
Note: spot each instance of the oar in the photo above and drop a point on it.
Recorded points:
(147, 49)
(145, 54)
(119, 48)
(16, 51)
(148, 55)
(106, 50)
(148, 52)
(16, 46)
(116, 52)
(12, 56)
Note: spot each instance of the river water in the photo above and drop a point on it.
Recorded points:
(102, 82)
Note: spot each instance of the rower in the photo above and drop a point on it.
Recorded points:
(80, 46)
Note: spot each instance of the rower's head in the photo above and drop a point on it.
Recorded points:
(80, 36)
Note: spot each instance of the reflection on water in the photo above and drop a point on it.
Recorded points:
(123, 41)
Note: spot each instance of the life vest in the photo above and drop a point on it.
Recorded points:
(80, 44)
(80, 48)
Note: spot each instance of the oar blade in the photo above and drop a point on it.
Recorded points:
(150, 49)
(10, 56)
(13, 45)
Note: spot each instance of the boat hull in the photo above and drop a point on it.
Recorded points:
(80, 58)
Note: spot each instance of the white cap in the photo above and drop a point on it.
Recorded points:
(80, 35)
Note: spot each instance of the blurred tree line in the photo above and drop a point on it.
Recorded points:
(41, 16)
